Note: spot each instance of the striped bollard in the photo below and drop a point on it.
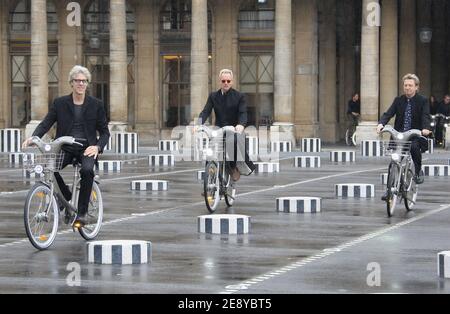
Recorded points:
(436, 170)
(200, 174)
(19, 158)
(10, 141)
(149, 185)
(342, 156)
(267, 167)
(371, 149)
(252, 144)
(299, 205)
(168, 145)
(224, 224)
(430, 146)
(27, 174)
(161, 160)
(307, 162)
(443, 264)
(127, 143)
(109, 165)
(355, 190)
(281, 146)
(384, 178)
(119, 252)
(311, 145)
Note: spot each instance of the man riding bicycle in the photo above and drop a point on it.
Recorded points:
(411, 111)
(80, 116)
(230, 108)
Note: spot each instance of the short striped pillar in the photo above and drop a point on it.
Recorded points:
(355, 190)
(252, 144)
(384, 178)
(126, 143)
(19, 158)
(281, 146)
(168, 145)
(201, 144)
(149, 185)
(311, 145)
(119, 252)
(371, 149)
(109, 166)
(224, 224)
(10, 141)
(200, 174)
(299, 205)
(436, 170)
(161, 160)
(443, 264)
(307, 162)
(267, 167)
(430, 146)
(27, 174)
(109, 146)
(342, 156)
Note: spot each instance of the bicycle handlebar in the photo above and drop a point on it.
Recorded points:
(215, 132)
(402, 136)
(56, 145)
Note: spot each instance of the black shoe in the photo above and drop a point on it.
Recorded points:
(385, 196)
(419, 178)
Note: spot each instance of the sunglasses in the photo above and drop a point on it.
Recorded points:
(226, 81)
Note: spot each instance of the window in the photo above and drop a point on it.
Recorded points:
(20, 17)
(256, 14)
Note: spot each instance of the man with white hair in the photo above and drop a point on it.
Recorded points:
(80, 116)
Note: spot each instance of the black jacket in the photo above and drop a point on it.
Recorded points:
(420, 113)
(444, 109)
(61, 112)
(353, 106)
(230, 108)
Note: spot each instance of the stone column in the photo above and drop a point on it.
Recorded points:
(146, 84)
(39, 64)
(407, 40)
(327, 72)
(306, 69)
(389, 55)
(199, 57)
(424, 49)
(370, 62)
(438, 50)
(5, 107)
(118, 95)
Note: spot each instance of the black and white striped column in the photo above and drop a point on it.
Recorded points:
(10, 141)
(161, 160)
(299, 204)
(267, 167)
(436, 170)
(307, 162)
(384, 178)
(311, 145)
(355, 190)
(127, 143)
(281, 146)
(19, 158)
(149, 185)
(252, 144)
(371, 149)
(109, 146)
(200, 174)
(443, 264)
(224, 224)
(27, 174)
(109, 165)
(119, 252)
(168, 145)
(430, 146)
(342, 156)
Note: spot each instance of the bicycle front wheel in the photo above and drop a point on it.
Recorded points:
(348, 137)
(230, 192)
(411, 190)
(41, 216)
(392, 188)
(94, 215)
(211, 186)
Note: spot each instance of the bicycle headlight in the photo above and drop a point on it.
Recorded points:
(400, 136)
(38, 169)
(47, 148)
(432, 124)
(446, 125)
(395, 157)
(214, 133)
(209, 152)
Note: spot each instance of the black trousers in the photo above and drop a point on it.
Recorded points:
(418, 146)
(87, 178)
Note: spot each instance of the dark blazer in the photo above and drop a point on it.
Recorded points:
(443, 109)
(61, 112)
(420, 113)
(230, 108)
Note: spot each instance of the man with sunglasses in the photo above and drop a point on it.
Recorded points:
(80, 116)
(230, 108)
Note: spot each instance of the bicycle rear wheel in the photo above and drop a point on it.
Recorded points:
(411, 190)
(392, 188)
(41, 216)
(211, 186)
(348, 137)
(94, 215)
(230, 191)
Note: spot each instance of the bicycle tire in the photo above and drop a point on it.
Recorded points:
(411, 191)
(43, 235)
(348, 138)
(95, 210)
(211, 186)
(392, 181)
(230, 191)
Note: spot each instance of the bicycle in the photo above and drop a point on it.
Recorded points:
(42, 212)
(350, 133)
(217, 181)
(400, 182)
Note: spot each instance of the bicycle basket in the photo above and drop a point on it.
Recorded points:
(401, 148)
(44, 162)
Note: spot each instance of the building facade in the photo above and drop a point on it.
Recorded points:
(154, 62)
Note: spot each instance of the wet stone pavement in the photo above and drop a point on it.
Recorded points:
(334, 251)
